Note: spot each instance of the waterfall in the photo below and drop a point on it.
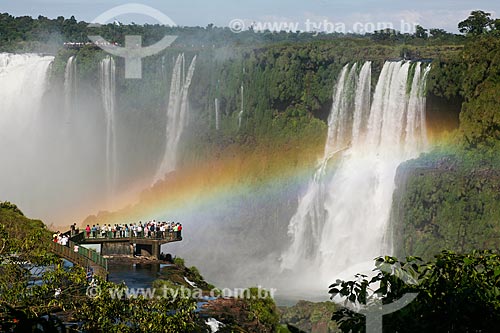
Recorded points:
(240, 115)
(217, 114)
(70, 84)
(416, 131)
(22, 76)
(108, 86)
(22, 87)
(342, 219)
(176, 114)
(362, 103)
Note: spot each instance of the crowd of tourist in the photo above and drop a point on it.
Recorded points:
(152, 229)
(60, 238)
(77, 45)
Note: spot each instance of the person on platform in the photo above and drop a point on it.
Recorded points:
(139, 229)
(176, 230)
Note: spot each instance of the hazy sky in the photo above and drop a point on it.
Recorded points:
(428, 13)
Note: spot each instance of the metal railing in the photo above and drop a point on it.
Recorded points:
(169, 236)
(83, 257)
(90, 258)
(90, 254)
(77, 238)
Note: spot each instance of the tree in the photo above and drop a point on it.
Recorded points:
(456, 293)
(112, 311)
(476, 24)
(24, 298)
(29, 291)
(420, 32)
(495, 25)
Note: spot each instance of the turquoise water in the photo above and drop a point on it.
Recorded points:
(135, 275)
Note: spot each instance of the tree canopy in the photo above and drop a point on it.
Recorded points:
(455, 293)
(478, 23)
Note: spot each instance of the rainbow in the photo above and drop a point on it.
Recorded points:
(234, 173)
(206, 185)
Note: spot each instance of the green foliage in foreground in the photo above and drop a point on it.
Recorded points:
(251, 311)
(310, 316)
(22, 241)
(24, 257)
(33, 283)
(20, 235)
(262, 308)
(456, 293)
(113, 311)
(6, 205)
(174, 277)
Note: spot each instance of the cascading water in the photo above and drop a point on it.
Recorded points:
(108, 90)
(416, 129)
(240, 115)
(217, 114)
(70, 84)
(305, 226)
(176, 114)
(342, 219)
(22, 85)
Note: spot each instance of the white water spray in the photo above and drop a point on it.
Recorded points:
(70, 84)
(342, 219)
(108, 91)
(240, 115)
(217, 114)
(22, 86)
(176, 114)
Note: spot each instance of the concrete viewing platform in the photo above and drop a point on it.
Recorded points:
(143, 246)
(76, 252)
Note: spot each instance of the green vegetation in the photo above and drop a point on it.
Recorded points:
(43, 34)
(446, 199)
(287, 79)
(253, 311)
(478, 23)
(108, 312)
(22, 241)
(455, 293)
(310, 317)
(262, 308)
(174, 277)
(34, 283)
(179, 261)
(449, 199)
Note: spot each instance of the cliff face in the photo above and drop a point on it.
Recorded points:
(445, 202)
(442, 116)
(450, 198)
(310, 317)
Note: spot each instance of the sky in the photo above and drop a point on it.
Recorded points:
(325, 15)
